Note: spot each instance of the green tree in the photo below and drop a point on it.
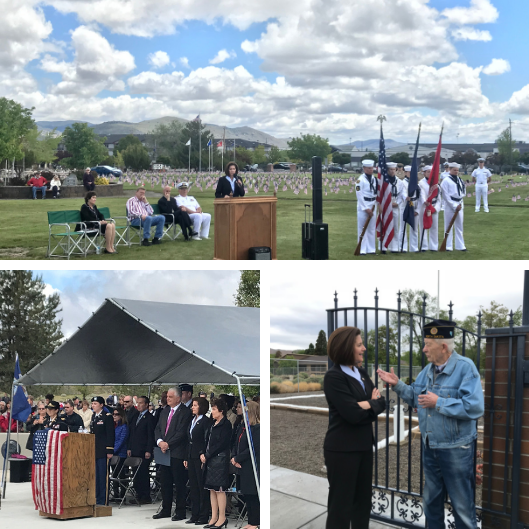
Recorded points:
(28, 323)
(192, 130)
(243, 156)
(321, 344)
(311, 350)
(508, 154)
(341, 158)
(370, 156)
(249, 291)
(126, 142)
(401, 157)
(165, 160)
(248, 391)
(167, 138)
(392, 345)
(307, 146)
(259, 155)
(136, 157)
(85, 146)
(41, 146)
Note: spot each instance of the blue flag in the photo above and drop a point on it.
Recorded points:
(20, 408)
(409, 212)
(209, 143)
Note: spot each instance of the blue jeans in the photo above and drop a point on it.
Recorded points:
(449, 470)
(158, 221)
(35, 188)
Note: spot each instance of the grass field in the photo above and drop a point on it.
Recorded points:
(500, 234)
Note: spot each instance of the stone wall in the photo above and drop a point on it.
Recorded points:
(24, 192)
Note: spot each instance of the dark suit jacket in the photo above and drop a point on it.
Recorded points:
(176, 436)
(219, 439)
(243, 457)
(141, 435)
(350, 426)
(224, 187)
(132, 415)
(198, 438)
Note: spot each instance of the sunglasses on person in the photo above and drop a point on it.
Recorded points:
(41, 409)
(116, 414)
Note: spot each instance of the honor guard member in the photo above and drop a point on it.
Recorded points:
(482, 178)
(56, 422)
(442, 176)
(397, 198)
(417, 202)
(431, 236)
(102, 425)
(366, 195)
(454, 192)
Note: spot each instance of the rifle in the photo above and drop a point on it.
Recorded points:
(357, 251)
(443, 246)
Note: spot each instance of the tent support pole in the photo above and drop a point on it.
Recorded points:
(8, 440)
(249, 436)
(150, 387)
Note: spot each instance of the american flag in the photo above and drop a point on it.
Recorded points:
(46, 478)
(385, 231)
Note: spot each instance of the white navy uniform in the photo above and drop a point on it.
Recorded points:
(417, 202)
(201, 221)
(431, 236)
(482, 188)
(442, 176)
(366, 194)
(398, 196)
(454, 191)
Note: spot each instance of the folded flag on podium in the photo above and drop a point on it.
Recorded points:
(46, 476)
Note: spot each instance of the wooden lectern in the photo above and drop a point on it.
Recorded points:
(242, 223)
(78, 479)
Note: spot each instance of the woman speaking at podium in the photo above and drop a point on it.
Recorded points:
(230, 185)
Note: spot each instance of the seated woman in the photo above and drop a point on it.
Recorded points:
(230, 185)
(168, 208)
(90, 215)
(55, 186)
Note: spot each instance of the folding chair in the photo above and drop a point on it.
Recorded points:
(155, 484)
(125, 478)
(120, 230)
(133, 231)
(168, 227)
(114, 462)
(236, 501)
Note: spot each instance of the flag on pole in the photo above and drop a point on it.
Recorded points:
(209, 143)
(188, 142)
(46, 476)
(409, 212)
(20, 408)
(385, 229)
(220, 144)
(433, 182)
(197, 118)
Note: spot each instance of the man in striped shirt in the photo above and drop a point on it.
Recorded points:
(140, 212)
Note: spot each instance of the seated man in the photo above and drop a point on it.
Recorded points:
(38, 183)
(168, 207)
(89, 180)
(201, 221)
(140, 213)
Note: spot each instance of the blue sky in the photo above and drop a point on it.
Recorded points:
(327, 68)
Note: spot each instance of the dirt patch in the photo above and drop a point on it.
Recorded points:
(15, 253)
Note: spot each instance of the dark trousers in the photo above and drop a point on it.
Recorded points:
(252, 504)
(90, 187)
(174, 475)
(199, 495)
(350, 477)
(142, 480)
(55, 190)
(101, 480)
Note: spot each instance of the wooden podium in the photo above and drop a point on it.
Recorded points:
(79, 479)
(242, 223)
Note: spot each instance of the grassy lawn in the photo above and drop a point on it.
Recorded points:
(500, 234)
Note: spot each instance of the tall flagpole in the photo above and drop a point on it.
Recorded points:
(199, 145)
(223, 142)
(189, 169)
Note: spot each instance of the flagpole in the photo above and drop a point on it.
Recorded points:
(189, 168)
(7, 465)
(199, 146)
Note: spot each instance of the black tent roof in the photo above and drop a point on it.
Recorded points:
(128, 342)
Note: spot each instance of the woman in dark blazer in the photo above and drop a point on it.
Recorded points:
(90, 215)
(168, 208)
(36, 422)
(230, 185)
(217, 463)
(197, 436)
(354, 404)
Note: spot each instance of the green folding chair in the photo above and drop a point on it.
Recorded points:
(169, 228)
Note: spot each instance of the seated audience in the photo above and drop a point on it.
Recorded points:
(48, 398)
(91, 216)
(5, 418)
(86, 414)
(38, 183)
(36, 422)
(140, 213)
(121, 436)
(73, 420)
(200, 220)
(89, 181)
(230, 185)
(168, 209)
(55, 186)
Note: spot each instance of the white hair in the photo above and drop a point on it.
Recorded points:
(177, 391)
(449, 343)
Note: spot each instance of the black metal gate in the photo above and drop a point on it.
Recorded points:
(391, 335)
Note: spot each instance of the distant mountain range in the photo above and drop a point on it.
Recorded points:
(145, 127)
(371, 145)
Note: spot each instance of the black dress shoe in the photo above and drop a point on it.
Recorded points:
(191, 521)
(161, 514)
(208, 526)
(177, 518)
(156, 241)
(201, 522)
(146, 242)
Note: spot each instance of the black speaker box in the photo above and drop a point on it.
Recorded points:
(260, 253)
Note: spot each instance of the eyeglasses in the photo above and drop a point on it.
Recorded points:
(41, 409)
(116, 414)
(127, 401)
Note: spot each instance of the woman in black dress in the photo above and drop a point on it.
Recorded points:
(90, 215)
(217, 460)
(197, 437)
(242, 460)
(168, 208)
(354, 403)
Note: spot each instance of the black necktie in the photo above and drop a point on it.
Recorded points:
(459, 184)
(371, 186)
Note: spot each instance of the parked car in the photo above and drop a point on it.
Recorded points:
(252, 168)
(282, 165)
(104, 170)
(337, 169)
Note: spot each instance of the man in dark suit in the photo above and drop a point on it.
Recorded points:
(171, 434)
(230, 185)
(140, 443)
(132, 412)
(160, 408)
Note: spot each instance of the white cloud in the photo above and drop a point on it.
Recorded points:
(479, 12)
(222, 55)
(159, 59)
(466, 33)
(184, 61)
(497, 67)
(519, 102)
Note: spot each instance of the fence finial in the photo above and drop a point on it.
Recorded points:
(451, 312)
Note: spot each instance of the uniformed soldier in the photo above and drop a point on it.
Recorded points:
(482, 177)
(102, 425)
(397, 198)
(366, 194)
(417, 200)
(442, 176)
(55, 422)
(431, 236)
(454, 191)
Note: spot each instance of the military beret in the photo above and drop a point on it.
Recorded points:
(101, 400)
(186, 387)
(438, 329)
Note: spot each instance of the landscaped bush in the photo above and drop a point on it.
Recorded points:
(316, 380)
(303, 375)
(313, 386)
(303, 386)
(101, 181)
(276, 379)
(274, 387)
(287, 387)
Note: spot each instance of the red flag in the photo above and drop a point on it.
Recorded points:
(433, 182)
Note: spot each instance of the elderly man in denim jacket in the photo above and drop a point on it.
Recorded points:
(449, 398)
